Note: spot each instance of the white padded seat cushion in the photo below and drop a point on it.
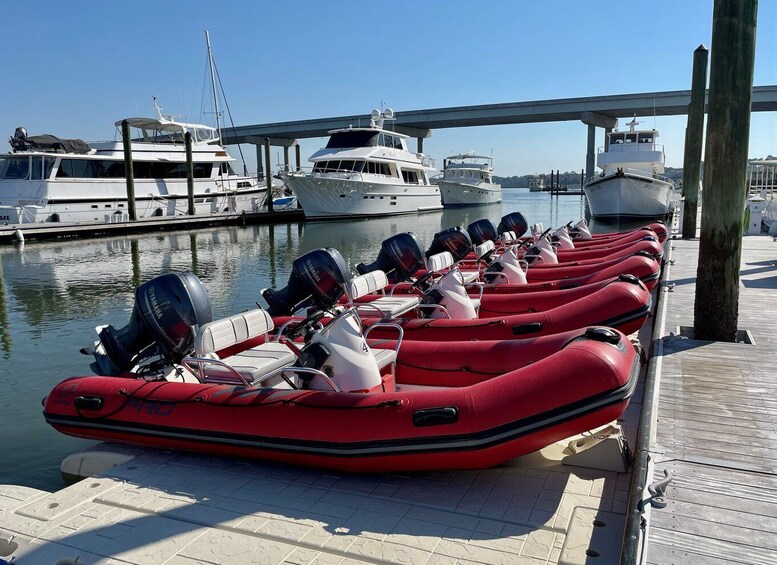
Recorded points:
(439, 261)
(483, 248)
(257, 361)
(365, 284)
(220, 334)
(384, 357)
(389, 306)
(509, 237)
(470, 276)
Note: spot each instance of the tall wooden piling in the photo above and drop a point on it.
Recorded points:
(128, 172)
(694, 134)
(259, 167)
(189, 172)
(268, 173)
(286, 158)
(716, 308)
(590, 155)
(298, 156)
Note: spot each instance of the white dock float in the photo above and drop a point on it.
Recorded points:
(177, 508)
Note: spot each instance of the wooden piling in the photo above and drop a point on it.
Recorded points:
(268, 173)
(716, 307)
(298, 156)
(590, 156)
(128, 172)
(694, 134)
(189, 172)
(259, 167)
(286, 158)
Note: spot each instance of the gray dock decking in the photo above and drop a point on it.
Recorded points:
(717, 423)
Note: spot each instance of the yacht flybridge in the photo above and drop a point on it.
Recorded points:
(467, 180)
(365, 171)
(631, 182)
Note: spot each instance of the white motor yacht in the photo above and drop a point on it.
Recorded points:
(631, 182)
(47, 179)
(467, 180)
(365, 171)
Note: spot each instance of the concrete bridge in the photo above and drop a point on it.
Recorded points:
(594, 111)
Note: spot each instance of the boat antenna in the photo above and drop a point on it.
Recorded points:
(213, 83)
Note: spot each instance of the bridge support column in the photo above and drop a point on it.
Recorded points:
(607, 138)
(420, 145)
(590, 156)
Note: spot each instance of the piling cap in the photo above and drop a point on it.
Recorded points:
(701, 48)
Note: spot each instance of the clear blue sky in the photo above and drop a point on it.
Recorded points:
(73, 68)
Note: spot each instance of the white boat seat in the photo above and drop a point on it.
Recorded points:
(484, 249)
(388, 306)
(367, 283)
(251, 363)
(439, 261)
(260, 360)
(384, 357)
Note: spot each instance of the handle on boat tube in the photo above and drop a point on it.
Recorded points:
(521, 329)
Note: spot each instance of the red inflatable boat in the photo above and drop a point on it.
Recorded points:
(243, 396)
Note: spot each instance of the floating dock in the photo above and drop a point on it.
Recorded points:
(54, 230)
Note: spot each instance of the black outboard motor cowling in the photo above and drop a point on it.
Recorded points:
(455, 240)
(166, 309)
(482, 231)
(317, 278)
(513, 221)
(400, 257)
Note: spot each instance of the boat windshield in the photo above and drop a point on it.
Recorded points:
(14, 168)
(349, 139)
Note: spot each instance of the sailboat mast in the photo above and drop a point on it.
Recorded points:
(213, 84)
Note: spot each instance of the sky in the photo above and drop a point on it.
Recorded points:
(72, 69)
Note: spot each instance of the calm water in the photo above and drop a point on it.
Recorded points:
(53, 295)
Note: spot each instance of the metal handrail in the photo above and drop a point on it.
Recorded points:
(202, 362)
(386, 325)
(421, 307)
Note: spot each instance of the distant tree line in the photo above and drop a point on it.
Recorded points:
(568, 178)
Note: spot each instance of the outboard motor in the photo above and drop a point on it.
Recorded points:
(317, 278)
(166, 310)
(400, 257)
(19, 139)
(481, 231)
(513, 221)
(455, 240)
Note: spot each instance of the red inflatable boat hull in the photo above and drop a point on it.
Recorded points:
(622, 305)
(585, 385)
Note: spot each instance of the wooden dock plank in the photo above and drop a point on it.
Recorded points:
(717, 423)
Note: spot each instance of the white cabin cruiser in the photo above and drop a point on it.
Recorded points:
(467, 180)
(365, 171)
(630, 183)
